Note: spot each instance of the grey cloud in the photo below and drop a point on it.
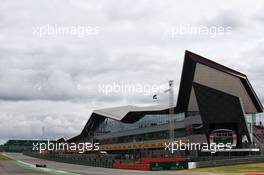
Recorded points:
(45, 79)
(131, 10)
(226, 18)
(57, 77)
(258, 16)
(30, 127)
(25, 119)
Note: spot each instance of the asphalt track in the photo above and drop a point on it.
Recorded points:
(24, 165)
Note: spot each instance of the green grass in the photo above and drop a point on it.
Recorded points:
(233, 169)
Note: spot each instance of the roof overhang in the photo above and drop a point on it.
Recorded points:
(125, 114)
(188, 71)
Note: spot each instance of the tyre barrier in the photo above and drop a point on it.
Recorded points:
(157, 160)
(133, 166)
(156, 164)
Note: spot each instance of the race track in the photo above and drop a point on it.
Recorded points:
(26, 166)
(8, 167)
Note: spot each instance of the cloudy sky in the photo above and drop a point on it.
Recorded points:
(53, 80)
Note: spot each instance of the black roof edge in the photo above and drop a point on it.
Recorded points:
(202, 60)
(252, 94)
(213, 64)
(187, 75)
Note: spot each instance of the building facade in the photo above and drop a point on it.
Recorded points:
(215, 104)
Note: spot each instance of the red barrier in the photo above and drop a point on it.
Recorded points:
(145, 163)
(156, 160)
(131, 166)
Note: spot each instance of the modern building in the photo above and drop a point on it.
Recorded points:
(215, 104)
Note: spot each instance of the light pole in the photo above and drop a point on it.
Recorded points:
(171, 109)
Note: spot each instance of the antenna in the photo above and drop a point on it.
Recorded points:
(43, 133)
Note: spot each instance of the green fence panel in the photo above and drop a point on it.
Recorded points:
(168, 166)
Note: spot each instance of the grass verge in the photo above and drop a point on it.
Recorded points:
(233, 169)
(3, 157)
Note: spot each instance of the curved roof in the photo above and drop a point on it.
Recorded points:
(121, 112)
(126, 114)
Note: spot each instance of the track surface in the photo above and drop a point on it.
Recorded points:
(9, 168)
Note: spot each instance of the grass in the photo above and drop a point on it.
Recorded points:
(233, 169)
(3, 157)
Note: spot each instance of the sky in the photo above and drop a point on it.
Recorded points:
(58, 56)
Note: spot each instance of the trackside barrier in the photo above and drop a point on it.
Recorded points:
(73, 160)
(157, 160)
(133, 166)
(176, 163)
(156, 164)
(192, 165)
(147, 164)
(169, 166)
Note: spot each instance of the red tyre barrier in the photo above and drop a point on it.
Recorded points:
(131, 166)
(157, 160)
(145, 163)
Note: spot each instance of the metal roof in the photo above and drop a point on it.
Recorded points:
(126, 114)
(121, 112)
